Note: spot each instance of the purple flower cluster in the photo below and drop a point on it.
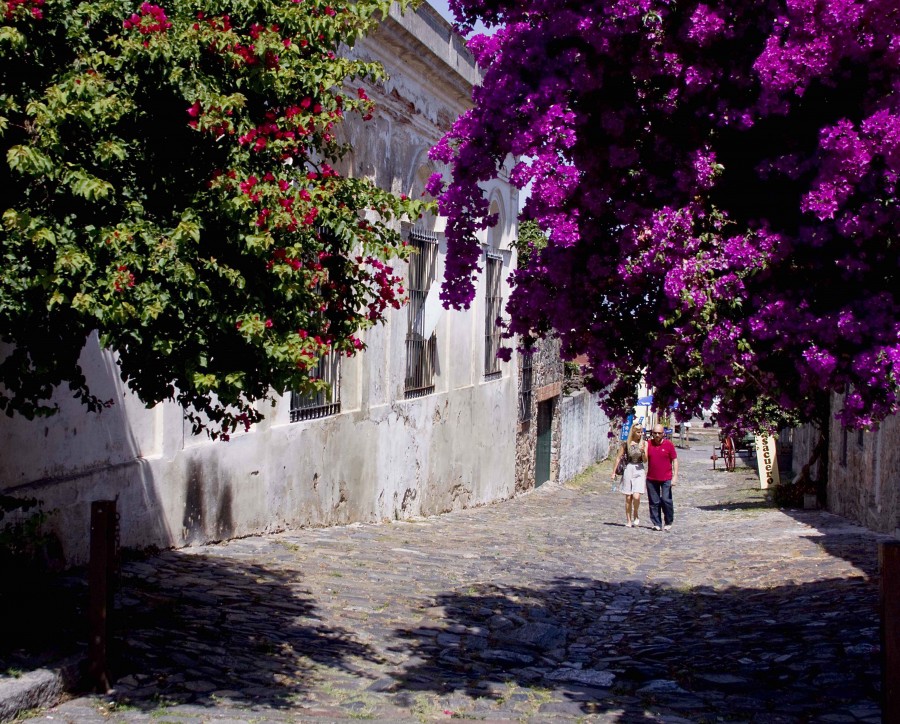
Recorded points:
(717, 181)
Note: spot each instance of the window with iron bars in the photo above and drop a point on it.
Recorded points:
(326, 402)
(493, 269)
(312, 405)
(420, 352)
(525, 389)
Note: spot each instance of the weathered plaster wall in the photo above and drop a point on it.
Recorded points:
(864, 474)
(381, 457)
(583, 434)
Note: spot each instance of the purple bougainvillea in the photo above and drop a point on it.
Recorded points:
(717, 182)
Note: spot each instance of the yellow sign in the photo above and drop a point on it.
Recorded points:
(767, 461)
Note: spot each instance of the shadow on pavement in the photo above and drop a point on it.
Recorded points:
(795, 651)
(840, 538)
(744, 505)
(197, 628)
(43, 619)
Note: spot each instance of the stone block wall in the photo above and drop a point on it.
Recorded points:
(546, 383)
(864, 473)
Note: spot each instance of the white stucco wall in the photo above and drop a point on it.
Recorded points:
(583, 434)
(382, 457)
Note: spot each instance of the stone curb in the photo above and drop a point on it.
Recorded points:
(39, 688)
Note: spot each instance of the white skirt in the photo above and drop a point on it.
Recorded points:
(634, 479)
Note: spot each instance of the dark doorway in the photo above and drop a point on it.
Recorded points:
(544, 439)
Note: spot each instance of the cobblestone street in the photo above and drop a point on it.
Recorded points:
(543, 608)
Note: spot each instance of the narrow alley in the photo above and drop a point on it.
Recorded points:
(542, 608)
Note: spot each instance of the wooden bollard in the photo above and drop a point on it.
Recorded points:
(100, 573)
(889, 563)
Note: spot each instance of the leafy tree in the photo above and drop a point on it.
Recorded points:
(169, 183)
(530, 241)
(718, 185)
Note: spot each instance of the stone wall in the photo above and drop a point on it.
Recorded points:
(863, 470)
(526, 435)
(546, 384)
(864, 473)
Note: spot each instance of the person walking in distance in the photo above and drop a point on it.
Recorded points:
(662, 475)
(634, 477)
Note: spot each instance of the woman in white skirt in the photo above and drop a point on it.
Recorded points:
(634, 479)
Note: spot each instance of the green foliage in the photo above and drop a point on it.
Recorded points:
(530, 241)
(790, 495)
(573, 378)
(169, 183)
(25, 545)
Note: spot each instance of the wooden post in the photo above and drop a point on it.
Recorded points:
(889, 563)
(103, 554)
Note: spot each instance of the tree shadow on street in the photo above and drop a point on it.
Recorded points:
(842, 538)
(43, 619)
(743, 505)
(780, 654)
(199, 629)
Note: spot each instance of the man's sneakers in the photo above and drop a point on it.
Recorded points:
(656, 527)
(667, 527)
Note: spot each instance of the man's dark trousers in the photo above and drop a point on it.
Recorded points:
(659, 493)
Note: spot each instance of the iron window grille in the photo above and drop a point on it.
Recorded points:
(420, 352)
(525, 389)
(312, 405)
(493, 269)
(325, 402)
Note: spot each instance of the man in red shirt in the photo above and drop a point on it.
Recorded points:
(662, 474)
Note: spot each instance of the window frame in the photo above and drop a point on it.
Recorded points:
(493, 308)
(526, 388)
(323, 403)
(327, 402)
(421, 353)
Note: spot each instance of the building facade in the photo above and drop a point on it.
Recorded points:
(862, 469)
(424, 421)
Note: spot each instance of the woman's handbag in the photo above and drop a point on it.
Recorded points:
(620, 468)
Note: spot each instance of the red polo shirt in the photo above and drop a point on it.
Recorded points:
(660, 459)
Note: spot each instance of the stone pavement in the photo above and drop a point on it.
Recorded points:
(542, 608)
